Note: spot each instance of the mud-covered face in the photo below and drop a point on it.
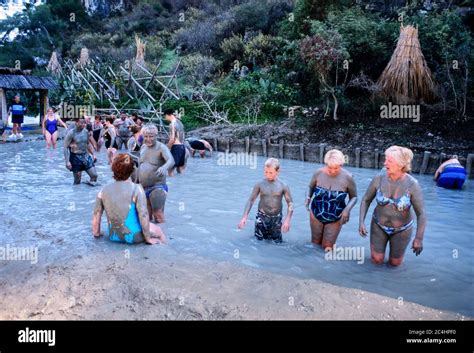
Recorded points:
(392, 165)
(333, 169)
(149, 139)
(80, 124)
(270, 173)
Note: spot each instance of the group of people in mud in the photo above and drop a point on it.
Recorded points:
(134, 203)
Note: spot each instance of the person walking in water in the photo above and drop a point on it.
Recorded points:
(395, 192)
(123, 125)
(268, 223)
(327, 195)
(97, 132)
(17, 110)
(176, 142)
(50, 127)
(124, 203)
(76, 153)
(154, 163)
(450, 174)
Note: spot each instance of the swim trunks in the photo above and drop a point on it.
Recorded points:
(268, 227)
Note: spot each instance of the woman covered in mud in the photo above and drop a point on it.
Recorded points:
(126, 208)
(326, 200)
(395, 192)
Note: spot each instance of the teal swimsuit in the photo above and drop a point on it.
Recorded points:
(132, 222)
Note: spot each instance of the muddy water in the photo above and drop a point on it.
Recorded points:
(205, 205)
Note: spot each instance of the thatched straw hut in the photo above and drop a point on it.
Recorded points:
(407, 78)
(84, 57)
(140, 57)
(53, 66)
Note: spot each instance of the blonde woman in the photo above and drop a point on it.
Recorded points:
(50, 127)
(395, 192)
(326, 200)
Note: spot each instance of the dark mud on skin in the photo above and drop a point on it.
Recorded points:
(203, 208)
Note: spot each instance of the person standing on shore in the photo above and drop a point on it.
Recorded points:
(17, 110)
(395, 191)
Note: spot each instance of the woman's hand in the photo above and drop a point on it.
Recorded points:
(417, 246)
(345, 215)
(362, 230)
(306, 203)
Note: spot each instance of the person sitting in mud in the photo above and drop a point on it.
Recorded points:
(176, 142)
(125, 206)
(76, 153)
(154, 163)
(395, 192)
(450, 174)
(268, 223)
(327, 195)
(123, 125)
(198, 145)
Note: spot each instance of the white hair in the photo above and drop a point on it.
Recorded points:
(334, 157)
(402, 155)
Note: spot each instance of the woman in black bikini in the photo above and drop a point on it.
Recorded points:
(395, 192)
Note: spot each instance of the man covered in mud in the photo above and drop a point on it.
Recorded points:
(76, 154)
(123, 125)
(176, 142)
(268, 223)
(154, 164)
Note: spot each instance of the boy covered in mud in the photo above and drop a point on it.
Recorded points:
(268, 223)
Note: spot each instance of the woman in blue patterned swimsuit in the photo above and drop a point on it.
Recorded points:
(125, 205)
(395, 192)
(327, 195)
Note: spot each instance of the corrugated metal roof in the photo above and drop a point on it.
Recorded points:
(27, 82)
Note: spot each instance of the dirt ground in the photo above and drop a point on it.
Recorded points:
(79, 279)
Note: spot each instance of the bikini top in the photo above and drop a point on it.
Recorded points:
(401, 203)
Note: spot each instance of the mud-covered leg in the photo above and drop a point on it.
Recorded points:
(398, 245)
(330, 233)
(77, 177)
(92, 174)
(157, 200)
(317, 229)
(378, 243)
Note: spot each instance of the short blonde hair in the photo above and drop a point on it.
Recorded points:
(272, 163)
(402, 155)
(334, 157)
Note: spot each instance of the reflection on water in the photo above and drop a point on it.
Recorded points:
(205, 204)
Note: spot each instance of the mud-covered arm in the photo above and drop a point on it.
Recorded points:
(289, 201)
(367, 199)
(97, 215)
(439, 170)
(352, 190)
(311, 186)
(419, 207)
(113, 135)
(143, 213)
(172, 136)
(166, 153)
(67, 142)
(251, 200)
